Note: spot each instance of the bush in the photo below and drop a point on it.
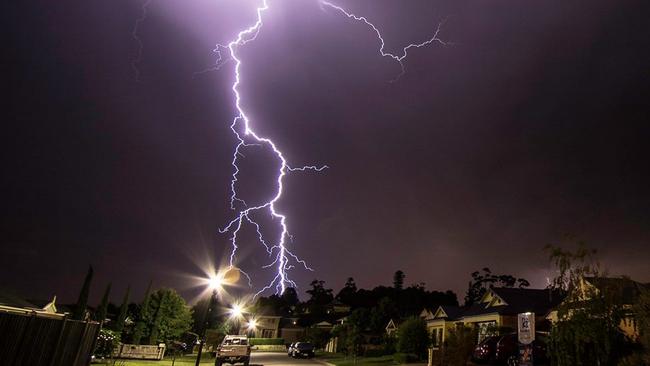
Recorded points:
(266, 341)
(107, 341)
(413, 337)
(374, 353)
(405, 357)
(459, 346)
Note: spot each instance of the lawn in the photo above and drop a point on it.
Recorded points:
(180, 361)
(341, 360)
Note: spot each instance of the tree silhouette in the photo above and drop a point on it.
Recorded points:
(82, 302)
(100, 315)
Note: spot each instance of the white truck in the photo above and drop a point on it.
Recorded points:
(233, 349)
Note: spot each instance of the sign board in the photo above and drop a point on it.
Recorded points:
(526, 328)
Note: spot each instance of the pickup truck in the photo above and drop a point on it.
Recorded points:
(233, 349)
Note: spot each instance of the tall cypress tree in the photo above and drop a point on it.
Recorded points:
(100, 316)
(82, 302)
(155, 327)
(144, 317)
(119, 323)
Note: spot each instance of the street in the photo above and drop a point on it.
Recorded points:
(279, 359)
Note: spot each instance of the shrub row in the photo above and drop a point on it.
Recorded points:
(402, 358)
(266, 341)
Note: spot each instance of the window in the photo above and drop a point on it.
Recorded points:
(437, 337)
(268, 333)
(486, 329)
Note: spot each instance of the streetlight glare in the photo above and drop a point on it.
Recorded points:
(252, 324)
(215, 282)
(237, 311)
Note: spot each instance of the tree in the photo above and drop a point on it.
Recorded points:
(102, 311)
(641, 311)
(82, 301)
(121, 318)
(587, 331)
(144, 317)
(381, 314)
(459, 346)
(398, 280)
(201, 319)
(482, 281)
(319, 294)
(318, 337)
(350, 333)
(319, 298)
(290, 298)
(413, 337)
(171, 316)
(347, 293)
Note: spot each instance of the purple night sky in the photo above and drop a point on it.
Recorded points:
(532, 127)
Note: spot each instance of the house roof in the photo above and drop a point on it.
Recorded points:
(625, 288)
(10, 299)
(503, 301)
(520, 300)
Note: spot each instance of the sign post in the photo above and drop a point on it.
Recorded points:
(526, 336)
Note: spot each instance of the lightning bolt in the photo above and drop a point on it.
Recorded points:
(399, 58)
(136, 37)
(281, 258)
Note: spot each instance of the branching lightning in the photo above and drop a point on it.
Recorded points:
(138, 56)
(398, 58)
(282, 256)
(282, 259)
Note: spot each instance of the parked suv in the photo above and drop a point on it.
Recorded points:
(233, 349)
(302, 349)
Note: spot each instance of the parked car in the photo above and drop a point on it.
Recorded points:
(484, 351)
(290, 348)
(302, 349)
(233, 349)
(508, 348)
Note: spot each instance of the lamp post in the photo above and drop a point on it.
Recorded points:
(215, 285)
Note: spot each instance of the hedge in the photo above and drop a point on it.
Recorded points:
(402, 358)
(266, 341)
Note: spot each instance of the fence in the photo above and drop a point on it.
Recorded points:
(33, 339)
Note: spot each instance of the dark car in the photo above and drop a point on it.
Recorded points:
(302, 349)
(484, 351)
(508, 348)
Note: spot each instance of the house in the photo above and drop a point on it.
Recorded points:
(11, 303)
(496, 311)
(391, 327)
(266, 326)
(337, 307)
(625, 291)
(291, 330)
(441, 321)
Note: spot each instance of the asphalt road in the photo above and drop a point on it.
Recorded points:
(279, 359)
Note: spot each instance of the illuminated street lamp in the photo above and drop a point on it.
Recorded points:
(252, 326)
(236, 314)
(215, 283)
(236, 311)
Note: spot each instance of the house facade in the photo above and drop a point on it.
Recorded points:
(495, 312)
(625, 290)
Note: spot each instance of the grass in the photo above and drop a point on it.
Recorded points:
(167, 361)
(341, 360)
